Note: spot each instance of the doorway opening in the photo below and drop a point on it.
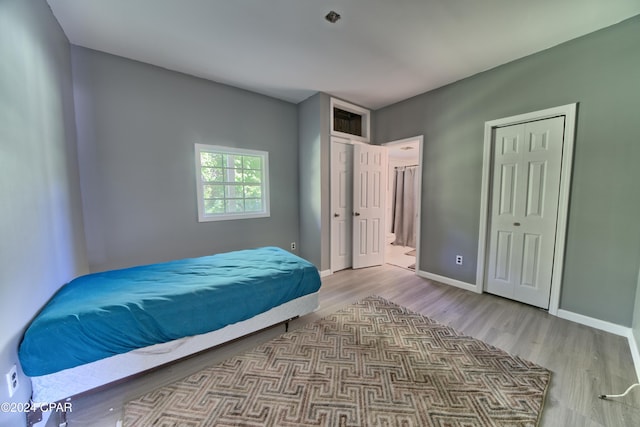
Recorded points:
(402, 231)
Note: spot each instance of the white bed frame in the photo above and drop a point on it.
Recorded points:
(64, 384)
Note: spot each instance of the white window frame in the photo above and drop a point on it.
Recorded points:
(218, 149)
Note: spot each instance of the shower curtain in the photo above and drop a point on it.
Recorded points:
(403, 216)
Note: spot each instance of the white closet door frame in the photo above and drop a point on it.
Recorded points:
(569, 112)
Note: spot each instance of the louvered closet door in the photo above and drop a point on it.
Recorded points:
(526, 179)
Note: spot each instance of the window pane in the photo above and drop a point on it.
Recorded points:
(254, 191)
(232, 161)
(213, 191)
(212, 174)
(253, 205)
(252, 176)
(235, 206)
(212, 207)
(252, 162)
(211, 159)
(233, 175)
(234, 191)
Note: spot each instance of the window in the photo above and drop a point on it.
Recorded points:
(233, 183)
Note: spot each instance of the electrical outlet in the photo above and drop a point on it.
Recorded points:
(459, 259)
(293, 246)
(12, 380)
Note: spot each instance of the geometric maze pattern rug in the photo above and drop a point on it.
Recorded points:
(373, 363)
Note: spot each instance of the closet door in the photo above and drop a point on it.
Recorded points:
(341, 204)
(524, 206)
(369, 190)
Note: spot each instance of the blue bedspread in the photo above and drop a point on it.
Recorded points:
(103, 314)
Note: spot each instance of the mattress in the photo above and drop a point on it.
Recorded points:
(103, 314)
(70, 382)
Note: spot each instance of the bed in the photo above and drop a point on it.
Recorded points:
(107, 326)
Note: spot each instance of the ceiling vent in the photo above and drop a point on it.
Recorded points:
(332, 17)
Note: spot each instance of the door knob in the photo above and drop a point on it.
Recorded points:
(336, 215)
(517, 224)
(356, 214)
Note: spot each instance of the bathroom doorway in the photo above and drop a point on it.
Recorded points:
(403, 203)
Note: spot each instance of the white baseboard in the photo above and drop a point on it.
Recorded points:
(635, 352)
(613, 328)
(325, 273)
(603, 325)
(448, 281)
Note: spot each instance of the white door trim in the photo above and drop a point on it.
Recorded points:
(569, 111)
(420, 139)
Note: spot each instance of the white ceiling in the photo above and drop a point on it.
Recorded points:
(380, 52)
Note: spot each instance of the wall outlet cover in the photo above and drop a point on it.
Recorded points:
(12, 380)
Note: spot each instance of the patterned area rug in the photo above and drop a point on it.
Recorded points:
(373, 363)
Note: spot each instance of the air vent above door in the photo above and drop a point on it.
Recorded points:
(350, 121)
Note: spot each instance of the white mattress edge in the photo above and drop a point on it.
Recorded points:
(69, 382)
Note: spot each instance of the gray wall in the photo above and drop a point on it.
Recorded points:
(599, 71)
(313, 136)
(41, 232)
(310, 172)
(137, 126)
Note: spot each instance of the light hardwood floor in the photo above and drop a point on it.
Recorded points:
(585, 362)
(397, 255)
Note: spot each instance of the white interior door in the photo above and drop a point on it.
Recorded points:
(369, 188)
(341, 204)
(524, 208)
